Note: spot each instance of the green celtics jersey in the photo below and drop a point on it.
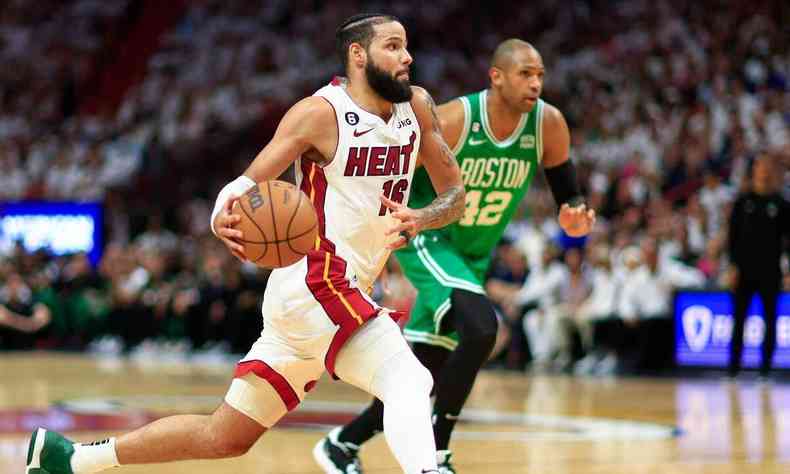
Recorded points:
(496, 175)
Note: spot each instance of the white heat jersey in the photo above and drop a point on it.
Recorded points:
(372, 158)
(313, 307)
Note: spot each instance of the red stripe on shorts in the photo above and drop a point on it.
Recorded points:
(264, 371)
(345, 305)
(326, 273)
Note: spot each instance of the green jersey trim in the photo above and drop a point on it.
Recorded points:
(467, 124)
(491, 137)
(431, 339)
(439, 314)
(438, 273)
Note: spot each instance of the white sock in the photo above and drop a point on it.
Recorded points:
(404, 386)
(94, 457)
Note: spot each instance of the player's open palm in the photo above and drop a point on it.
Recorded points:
(576, 221)
(408, 225)
(223, 226)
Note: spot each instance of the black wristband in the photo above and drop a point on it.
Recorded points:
(563, 184)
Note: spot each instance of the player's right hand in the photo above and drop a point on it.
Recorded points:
(408, 226)
(576, 221)
(223, 225)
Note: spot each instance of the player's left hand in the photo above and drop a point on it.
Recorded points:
(408, 225)
(576, 221)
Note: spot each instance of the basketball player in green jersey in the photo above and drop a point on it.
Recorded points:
(499, 136)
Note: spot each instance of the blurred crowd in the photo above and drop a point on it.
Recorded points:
(669, 103)
(161, 292)
(51, 53)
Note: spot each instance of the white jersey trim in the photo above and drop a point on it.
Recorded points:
(459, 145)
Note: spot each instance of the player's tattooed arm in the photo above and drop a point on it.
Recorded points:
(441, 166)
(441, 211)
(447, 208)
(445, 176)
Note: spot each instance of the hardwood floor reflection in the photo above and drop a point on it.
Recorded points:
(513, 424)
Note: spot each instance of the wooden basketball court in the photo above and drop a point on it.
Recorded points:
(513, 424)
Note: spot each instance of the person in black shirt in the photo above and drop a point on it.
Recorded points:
(759, 225)
(22, 318)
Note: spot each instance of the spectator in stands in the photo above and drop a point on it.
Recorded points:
(645, 304)
(14, 181)
(713, 197)
(22, 318)
(85, 300)
(573, 291)
(535, 301)
(597, 319)
(508, 271)
(156, 236)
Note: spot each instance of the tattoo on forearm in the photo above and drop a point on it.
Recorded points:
(447, 156)
(447, 208)
(432, 107)
(448, 159)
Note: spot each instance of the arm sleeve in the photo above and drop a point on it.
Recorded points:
(564, 185)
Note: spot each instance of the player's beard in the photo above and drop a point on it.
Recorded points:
(389, 88)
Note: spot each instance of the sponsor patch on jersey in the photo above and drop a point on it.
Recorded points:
(527, 141)
(352, 118)
(404, 123)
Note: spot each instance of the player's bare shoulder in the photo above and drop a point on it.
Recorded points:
(312, 120)
(449, 117)
(312, 110)
(424, 108)
(452, 116)
(452, 112)
(435, 155)
(556, 136)
(552, 117)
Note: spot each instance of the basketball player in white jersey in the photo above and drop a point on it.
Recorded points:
(355, 144)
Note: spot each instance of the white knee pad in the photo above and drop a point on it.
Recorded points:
(402, 378)
(371, 348)
(257, 399)
(377, 359)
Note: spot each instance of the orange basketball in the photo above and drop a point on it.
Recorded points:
(278, 222)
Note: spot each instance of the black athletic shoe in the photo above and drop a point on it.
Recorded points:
(336, 457)
(443, 462)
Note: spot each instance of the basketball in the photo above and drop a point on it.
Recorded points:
(278, 222)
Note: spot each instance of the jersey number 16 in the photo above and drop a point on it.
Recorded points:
(394, 191)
